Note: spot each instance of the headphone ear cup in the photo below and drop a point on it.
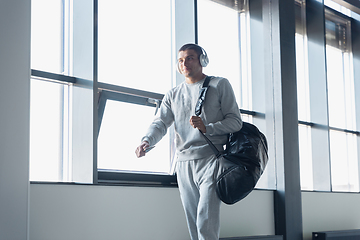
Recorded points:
(204, 60)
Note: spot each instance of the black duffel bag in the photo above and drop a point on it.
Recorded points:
(242, 164)
(244, 160)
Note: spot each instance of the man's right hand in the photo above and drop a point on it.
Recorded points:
(140, 150)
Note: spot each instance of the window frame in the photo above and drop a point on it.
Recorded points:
(108, 91)
(133, 96)
(346, 47)
(119, 93)
(104, 92)
(68, 81)
(334, 15)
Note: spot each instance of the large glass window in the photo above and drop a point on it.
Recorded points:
(341, 105)
(117, 141)
(134, 54)
(50, 122)
(301, 63)
(135, 67)
(305, 147)
(224, 32)
(328, 135)
(219, 23)
(48, 35)
(49, 131)
(134, 44)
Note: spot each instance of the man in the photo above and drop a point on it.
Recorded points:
(196, 162)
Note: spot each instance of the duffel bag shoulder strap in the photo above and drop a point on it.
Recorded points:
(212, 146)
(198, 109)
(202, 94)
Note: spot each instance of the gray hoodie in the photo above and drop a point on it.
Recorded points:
(220, 114)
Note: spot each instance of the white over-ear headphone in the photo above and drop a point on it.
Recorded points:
(204, 59)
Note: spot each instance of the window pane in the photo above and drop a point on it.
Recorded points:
(336, 90)
(306, 168)
(134, 44)
(340, 82)
(46, 35)
(224, 32)
(344, 162)
(122, 127)
(46, 131)
(302, 79)
(219, 26)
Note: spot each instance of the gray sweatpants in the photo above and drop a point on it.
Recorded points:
(198, 195)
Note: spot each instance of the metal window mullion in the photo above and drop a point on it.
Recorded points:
(52, 76)
(61, 152)
(65, 90)
(355, 40)
(96, 127)
(70, 133)
(196, 22)
(130, 91)
(66, 134)
(325, 127)
(64, 108)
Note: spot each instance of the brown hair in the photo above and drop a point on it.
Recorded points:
(192, 46)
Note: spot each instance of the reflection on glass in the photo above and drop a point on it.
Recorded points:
(46, 35)
(134, 44)
(122, 127)
(344, 162)
(46, 129)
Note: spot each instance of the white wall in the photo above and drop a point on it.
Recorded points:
(330, 212)
(89, 212)
(14, 117)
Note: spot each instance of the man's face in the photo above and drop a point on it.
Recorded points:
(189, 63)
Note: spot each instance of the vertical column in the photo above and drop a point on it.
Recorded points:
(183, 28)
(355, 39)
(258, 82)
(281, 114)
(14, 118)
(83, 94)
(315, 26)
